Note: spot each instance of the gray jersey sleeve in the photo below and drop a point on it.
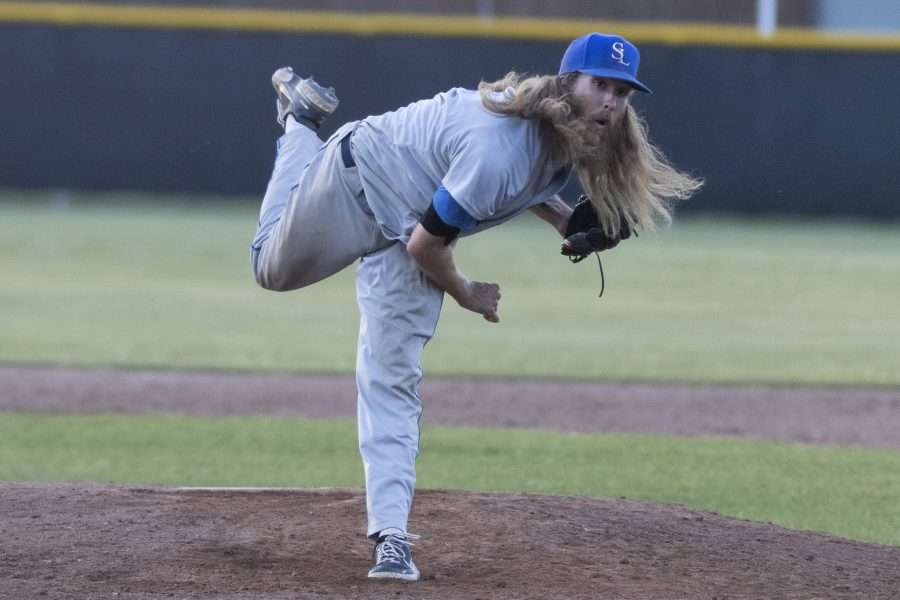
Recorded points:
(487, 176)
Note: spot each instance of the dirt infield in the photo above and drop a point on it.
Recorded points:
(867, 417)
(100, 542)
(91, 541)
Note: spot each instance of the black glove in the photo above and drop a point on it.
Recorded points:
(584, 234)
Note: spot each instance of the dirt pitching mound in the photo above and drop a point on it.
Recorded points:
(66, 541)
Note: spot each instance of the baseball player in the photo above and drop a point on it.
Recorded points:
(395, 191)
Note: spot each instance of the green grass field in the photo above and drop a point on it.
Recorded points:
(127, 282)
(851, 492)
(168, 286)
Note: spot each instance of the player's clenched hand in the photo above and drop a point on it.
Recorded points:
(483, 298)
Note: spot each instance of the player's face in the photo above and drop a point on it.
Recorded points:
(600, 99)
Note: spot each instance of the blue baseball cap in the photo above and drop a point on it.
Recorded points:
(604, 55)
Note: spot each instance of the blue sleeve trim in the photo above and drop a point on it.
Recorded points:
(451, 212)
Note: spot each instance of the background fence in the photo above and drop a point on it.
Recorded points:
(787, 128)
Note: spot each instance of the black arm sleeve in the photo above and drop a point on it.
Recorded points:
(434, 225)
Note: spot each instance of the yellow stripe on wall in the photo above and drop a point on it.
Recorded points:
(372, 24)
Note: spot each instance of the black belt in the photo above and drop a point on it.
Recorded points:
(346, 155)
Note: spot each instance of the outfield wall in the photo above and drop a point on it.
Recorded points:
(799, 128)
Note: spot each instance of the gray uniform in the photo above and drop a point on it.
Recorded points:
(319, 215)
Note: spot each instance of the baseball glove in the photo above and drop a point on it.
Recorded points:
(585, 235)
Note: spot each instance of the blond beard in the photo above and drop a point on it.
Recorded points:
(593, 143)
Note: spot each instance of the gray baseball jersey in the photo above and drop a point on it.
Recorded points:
(494, 166)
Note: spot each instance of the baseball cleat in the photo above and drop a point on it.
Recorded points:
(308, 101)
(393, 558)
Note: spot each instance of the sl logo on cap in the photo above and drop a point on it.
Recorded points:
(618, 54)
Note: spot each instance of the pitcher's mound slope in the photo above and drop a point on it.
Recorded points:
(68, 541)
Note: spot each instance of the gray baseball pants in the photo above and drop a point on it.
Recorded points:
(314, 221)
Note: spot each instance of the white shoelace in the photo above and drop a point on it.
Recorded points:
(393, 546)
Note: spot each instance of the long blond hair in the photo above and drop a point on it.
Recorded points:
(625, 175)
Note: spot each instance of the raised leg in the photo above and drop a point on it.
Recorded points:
(314, 220)
(293, 153)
